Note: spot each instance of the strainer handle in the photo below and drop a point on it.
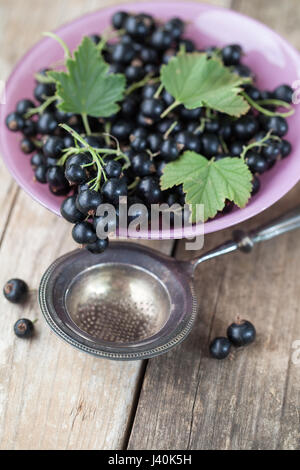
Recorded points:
(245, 242)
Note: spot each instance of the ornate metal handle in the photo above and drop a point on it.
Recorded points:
(245, 241)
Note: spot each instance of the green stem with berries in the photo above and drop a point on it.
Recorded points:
(267, 112)
(86, 124)
(170, 108)
(40, 109)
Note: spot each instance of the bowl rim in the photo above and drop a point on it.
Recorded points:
(237, 216)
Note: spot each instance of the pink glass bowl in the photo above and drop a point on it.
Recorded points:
(273, 59)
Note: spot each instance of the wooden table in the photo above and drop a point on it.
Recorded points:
(54, 397)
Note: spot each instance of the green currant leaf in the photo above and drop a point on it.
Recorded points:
(209, 182)
(194, 80)
(87, 88)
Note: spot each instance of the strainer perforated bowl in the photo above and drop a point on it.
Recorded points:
(131, 302)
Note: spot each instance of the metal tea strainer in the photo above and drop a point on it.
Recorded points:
(132, 302)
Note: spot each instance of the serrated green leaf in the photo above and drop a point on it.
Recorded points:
(86, 87)
(194, 81)
(209, 182)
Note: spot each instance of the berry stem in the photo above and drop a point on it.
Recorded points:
(86, 124)
(168, 132)
(141, 83)
(61, 42)
(158, 91)
(43, 78)
(40, 109)
(170, 108)
(259, 143)
(265, 111)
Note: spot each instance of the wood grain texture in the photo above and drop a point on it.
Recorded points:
(51, 396)
(189, 401)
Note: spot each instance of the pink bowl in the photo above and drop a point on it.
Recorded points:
(273, 59)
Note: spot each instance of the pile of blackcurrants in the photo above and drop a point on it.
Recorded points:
(148, 141)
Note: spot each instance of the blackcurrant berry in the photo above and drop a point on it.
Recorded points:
(99, 246)
(142, 165)
(123, 53)
(231, 55)
(255, 185)
(236, 148)
(277, 124)
(160, 165)
(190, 114)
(212, 127)
(43, 91)
(149, 90)
(88, 201)
(40, 174)
(285, 148)
(27, 145)
(144, 120)
(121, 129)
(253, 92)
(53, 147)
(75, 174)
(169, 150)
(119, 19)
(37, 159)
(70, 212)
(129, 106)
(139, 132)
(138, 144)
(242, 333)
(113, 189)
(30, 128)
(113, 169)
(152, 108)
(220, 348)
(47, 123)
(175, 26)
(245, 127)
(161, 39)
(188, 45)
(79, 159)
(154, 142)
(283, 93)
(15, 122)
(84, 233)
(15, 290)
(148, 55)
(95, 38)
(138, 26)
(271, 151)
(56, 177)
(24, 106)
(134, 73)
(188, 141)
(24, 328)
(149, 190)
(256, 162)
(209, 144)
(168, 99)
(243, 71)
